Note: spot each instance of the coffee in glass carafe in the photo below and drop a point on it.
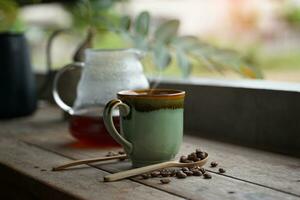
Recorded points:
(104, 73)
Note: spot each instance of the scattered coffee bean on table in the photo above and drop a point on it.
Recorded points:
(213, 164)
(146, 176)
(165, 181)
(207, 176)
(173, 172)
(109, 154)
(181, 174)
(155, 173)
(121, 152)
(196, 173)
(189, 173)
(184, 169)
(165, 173)
(202, 170)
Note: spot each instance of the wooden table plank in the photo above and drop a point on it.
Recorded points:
(255, 174)
(191, 188)
(256, 166)
(28, 167)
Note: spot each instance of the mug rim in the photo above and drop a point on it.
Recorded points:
(155, 93)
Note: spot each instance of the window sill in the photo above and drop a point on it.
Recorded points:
(257, 113)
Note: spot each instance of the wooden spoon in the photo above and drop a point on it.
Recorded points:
(149, 168)
(87, 161)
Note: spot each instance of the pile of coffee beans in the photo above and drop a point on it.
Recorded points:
(184, 172)
(180, 173)
(193, 157)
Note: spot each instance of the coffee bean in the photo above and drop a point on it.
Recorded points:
(196, 159)
(109, 154)
(202, 170)
(201, 155)
(213, 164)
(173, 172)
(196, 173)
(207, 176)
(165, 181)
(221, 170)
(155, 173)
(188, 173)
(121, 152)
(184, 169)
(181, 174)
(192, 156)
(183, 159)
(165, 173)
(146, 176)
(199, 150)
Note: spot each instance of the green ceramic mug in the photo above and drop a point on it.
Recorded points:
(151, 124)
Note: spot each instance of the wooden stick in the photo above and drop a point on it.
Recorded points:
(137, 171)
(149, 168)
(87, 161)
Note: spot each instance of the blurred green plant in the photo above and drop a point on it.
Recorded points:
(163, 44)
(291, 13)
(9, 20)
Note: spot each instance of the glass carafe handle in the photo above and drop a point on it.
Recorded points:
(55, 93)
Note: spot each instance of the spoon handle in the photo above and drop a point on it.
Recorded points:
(137, 171)
(87, 161)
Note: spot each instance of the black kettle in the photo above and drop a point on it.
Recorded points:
(17, 83)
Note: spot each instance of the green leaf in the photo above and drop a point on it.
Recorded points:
(183, 62)
(125, 23)
(102, 4)
(167, 31)
(142, 23)
(186, 42)
(162, 57)
(140, 42)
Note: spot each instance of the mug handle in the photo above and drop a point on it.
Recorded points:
(109, 124)
(55, 93)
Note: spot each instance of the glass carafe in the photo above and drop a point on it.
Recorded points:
(104, 73)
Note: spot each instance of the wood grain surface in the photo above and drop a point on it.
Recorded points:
(30, 147)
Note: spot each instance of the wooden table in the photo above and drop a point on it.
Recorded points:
(30, 147)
